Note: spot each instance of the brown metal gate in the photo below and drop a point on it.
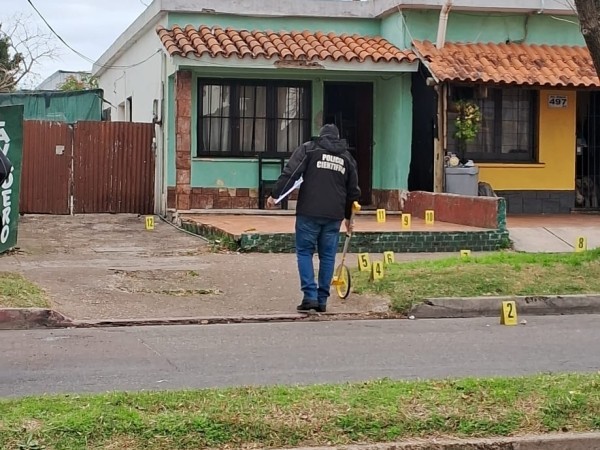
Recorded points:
(102, 167)
(113, 167)
(46, 175)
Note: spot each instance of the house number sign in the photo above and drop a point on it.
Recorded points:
(557, 101)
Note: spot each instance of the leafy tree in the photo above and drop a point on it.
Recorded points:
(73, 83)
(9, 64)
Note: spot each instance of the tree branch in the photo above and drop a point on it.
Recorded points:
(26, 47)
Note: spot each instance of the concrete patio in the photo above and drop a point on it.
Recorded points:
(528, 233)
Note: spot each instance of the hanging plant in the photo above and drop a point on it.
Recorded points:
(467, 122)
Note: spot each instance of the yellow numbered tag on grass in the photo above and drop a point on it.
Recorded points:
(465, 253)
(581, 244)
(429, 217)
(388, 257)
(377, 270)
(381, 216)
(509, 313)
(406, 221)
(364, 263)
(149, 222)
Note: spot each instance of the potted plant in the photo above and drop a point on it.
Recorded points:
(467, 123)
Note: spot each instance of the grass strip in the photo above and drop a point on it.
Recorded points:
(18, 292)
(502, 273)
(270, 417)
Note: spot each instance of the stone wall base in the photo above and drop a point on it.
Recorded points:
(538, 202)
(215, 198)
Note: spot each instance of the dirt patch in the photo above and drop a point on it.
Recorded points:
(109, 267)
(177, 283)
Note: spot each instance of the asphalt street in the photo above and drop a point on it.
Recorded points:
(174, 357)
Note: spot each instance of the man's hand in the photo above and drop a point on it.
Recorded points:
(270, 202)
(349, 226)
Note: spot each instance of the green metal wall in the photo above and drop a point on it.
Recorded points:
(56, 106)
(401, 28)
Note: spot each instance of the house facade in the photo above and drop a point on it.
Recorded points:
(233, 87)
(532, 79)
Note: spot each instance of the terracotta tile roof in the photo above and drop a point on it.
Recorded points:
(296, 46)
(510, 63)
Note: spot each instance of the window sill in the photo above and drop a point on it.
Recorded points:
(511, 165)
(221, 158)
(237, 158)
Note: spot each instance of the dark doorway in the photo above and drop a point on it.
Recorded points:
(350, 107)
(587, 159)
(420, 177)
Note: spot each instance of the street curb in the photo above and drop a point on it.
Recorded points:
(575, 441)
(535, 305)
(30, 318)
(432, 308)
(219, 320)
(34, 318)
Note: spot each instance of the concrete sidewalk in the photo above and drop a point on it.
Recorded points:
(553, 233)
(108, 267)
(100, 267)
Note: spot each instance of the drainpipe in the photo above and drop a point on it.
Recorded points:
(442, 109)
(161, 194)
(443, 24)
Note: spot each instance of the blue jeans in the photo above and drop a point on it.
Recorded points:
(312, 234)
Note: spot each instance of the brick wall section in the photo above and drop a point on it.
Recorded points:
(219, 198)
(483, 212)
(183, 136)
(171, 197)
(223, 198)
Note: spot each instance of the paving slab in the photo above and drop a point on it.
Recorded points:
(539, 239)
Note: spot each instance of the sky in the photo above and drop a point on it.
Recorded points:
(89, 26)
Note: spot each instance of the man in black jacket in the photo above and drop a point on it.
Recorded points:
(329, 187)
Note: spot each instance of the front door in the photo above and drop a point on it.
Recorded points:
(350, 107)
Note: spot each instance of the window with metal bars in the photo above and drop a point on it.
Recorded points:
(248, 117)
(508, 124)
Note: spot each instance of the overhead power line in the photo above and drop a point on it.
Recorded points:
(81, 55)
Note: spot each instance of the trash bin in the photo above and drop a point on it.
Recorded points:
(462, 180)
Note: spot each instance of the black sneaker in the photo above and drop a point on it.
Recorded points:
(322, 308)
(307, 305)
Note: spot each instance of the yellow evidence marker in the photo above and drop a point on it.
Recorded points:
(406, 221)
(465, 253)
(364, 263)
(381, 216)
(429, 217)
(377, 270)
(508, 315)
(581, 244)
(388, 257)
(149, 222)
